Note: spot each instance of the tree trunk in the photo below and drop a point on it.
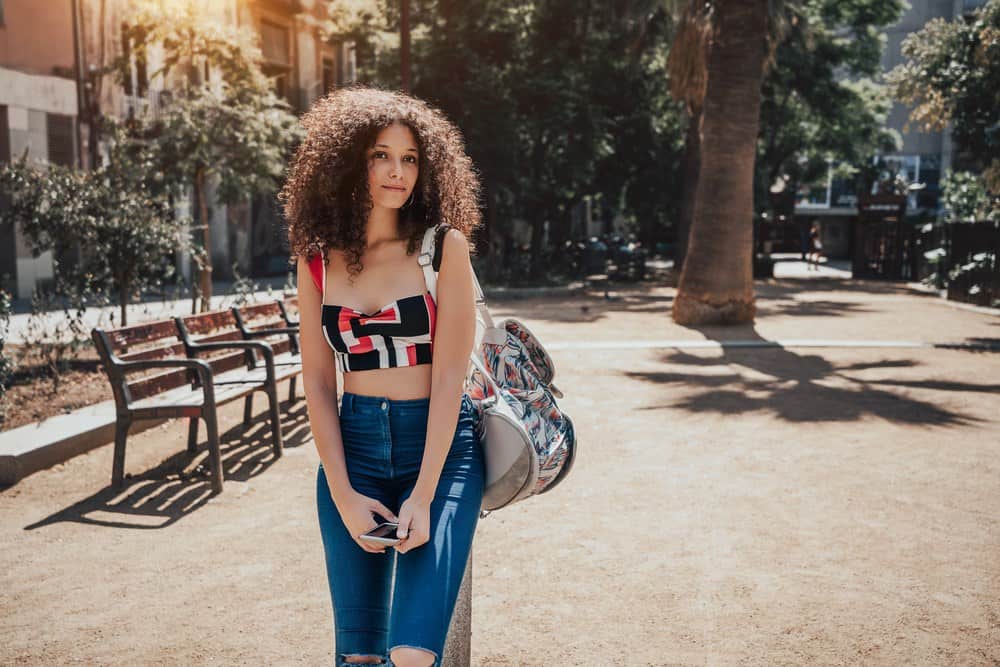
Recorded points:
(205, 270)
(404, 45)
(716, 284)
(123, 288)
(690, 167)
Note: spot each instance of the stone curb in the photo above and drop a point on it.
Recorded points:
(33, 447)
(942, 297)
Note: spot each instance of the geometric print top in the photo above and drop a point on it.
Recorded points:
(400, 333)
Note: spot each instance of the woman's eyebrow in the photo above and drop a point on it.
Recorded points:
(387, 146)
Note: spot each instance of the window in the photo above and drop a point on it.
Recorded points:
(907, 166)
(1, 14)
(330, 78)
(816, 195)
(274, 43)
(137, 81)
(59, 132)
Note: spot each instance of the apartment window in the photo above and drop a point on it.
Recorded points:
(274, 46)
(137, 80)
(907, 166)
(59, 131)
(330, 74)
(274, 43)
(816, 195)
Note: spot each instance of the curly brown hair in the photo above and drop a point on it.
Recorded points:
(325, 197)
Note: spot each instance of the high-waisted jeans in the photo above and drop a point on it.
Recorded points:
(384, 448)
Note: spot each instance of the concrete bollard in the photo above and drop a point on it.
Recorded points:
(458, 644)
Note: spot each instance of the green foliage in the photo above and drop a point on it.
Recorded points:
(818, 100)
(558, 101)
(6, 363)
(952, 74)
(231, 129)
(232, 126)
(55, 331)
(117, 221)
(964, 195)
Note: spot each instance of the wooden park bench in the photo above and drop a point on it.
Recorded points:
(155, 376)
(270, 321)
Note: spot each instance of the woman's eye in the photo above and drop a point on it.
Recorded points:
(411, 159)
(379, 154)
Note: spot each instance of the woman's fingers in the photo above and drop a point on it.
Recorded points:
(383, 511)
(414, 539)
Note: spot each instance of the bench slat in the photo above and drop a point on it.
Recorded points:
(141, 333)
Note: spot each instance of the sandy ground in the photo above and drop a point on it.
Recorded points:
(794, 506)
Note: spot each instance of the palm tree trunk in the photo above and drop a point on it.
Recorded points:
(716, 284)
(690, 168)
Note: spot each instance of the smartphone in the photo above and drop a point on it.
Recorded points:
(383, 534)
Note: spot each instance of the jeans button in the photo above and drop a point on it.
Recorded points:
(384, 405)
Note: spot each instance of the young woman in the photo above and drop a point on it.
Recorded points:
(376, 170)
(815, 240)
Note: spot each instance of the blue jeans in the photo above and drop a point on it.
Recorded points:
(384, 447)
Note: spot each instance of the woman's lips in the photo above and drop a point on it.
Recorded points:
(395, 188)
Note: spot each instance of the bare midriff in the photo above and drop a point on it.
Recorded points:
(403, 383)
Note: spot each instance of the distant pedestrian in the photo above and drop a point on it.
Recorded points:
(805, 244)
(816, 245)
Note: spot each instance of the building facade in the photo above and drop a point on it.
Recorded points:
(53, 92)
(924, 157)
(38, 114)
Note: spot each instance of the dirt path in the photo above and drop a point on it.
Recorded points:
(730, 507)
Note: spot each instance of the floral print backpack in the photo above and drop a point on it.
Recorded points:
(528, 441)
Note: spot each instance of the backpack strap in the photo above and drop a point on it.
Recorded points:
(431, 253)
(426, 260)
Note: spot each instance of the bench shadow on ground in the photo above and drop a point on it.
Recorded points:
(800, 387)
(179, 485)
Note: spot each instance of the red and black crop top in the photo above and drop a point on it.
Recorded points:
(400, 333)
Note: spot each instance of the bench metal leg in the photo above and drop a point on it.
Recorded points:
(193, 435)
(214, 452)
(247, 410)
(291, 389)
(118, 466)
(272, 400)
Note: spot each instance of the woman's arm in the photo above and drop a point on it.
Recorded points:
(319, 381)
(454, 333)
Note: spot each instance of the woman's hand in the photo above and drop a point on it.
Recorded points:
(356, 513)
(414, 523)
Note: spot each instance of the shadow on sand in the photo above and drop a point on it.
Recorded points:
(800, 388)
(179, 485)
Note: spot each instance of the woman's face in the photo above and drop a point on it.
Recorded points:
(393, 166)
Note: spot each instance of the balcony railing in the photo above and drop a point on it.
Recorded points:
(149, 106)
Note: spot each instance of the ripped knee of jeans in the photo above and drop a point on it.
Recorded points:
(359, 659)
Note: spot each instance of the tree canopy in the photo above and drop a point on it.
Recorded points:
(228, 127)
(952, 75)
(820, 102)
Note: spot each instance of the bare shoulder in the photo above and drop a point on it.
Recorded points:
(455, 247)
